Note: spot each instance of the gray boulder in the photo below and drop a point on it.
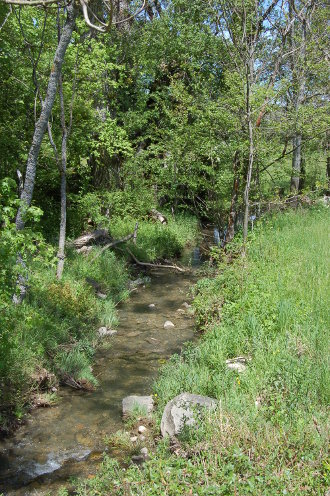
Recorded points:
(130, 403)
(183, 410)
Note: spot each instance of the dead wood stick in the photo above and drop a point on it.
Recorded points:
(85, 239)
(156, 266)
(117, 242)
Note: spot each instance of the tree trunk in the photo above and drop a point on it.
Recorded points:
(249, 73)
(296, 163)
(298, 68)
(39, 131)
(233, 210)
(41, 125)
(61, 242)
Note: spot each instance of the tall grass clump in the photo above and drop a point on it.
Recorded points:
(269, 433)
(54, 332)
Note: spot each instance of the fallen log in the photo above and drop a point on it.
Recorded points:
(133, 236)
(155, 266)
(85, 239)
(158, 216)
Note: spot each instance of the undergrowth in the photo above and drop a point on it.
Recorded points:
(269, 433)
(51, 337)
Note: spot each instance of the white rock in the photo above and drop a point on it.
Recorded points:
(182, 410)
(104, 331)
(142, 438)
(180, 310)
(238, 364)
(144, 451)
(141, 429)
(133, 439)
(168, 325)
(152, 305)
(185, 305)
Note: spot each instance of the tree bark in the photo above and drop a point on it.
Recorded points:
(62, 236)
(296, 163)
(249, 73)
(298, 68)
(39, 131)
(233, 210)
(41, 125)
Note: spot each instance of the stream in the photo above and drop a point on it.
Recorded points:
(67, 440)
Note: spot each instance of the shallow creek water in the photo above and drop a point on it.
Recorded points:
(67, 440)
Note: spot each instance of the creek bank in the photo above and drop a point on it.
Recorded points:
(77, 425)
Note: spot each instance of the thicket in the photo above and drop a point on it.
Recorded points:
(52, 335)
(195, 108)
(269, 433)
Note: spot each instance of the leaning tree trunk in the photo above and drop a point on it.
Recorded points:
(39, 131)
(41, 125)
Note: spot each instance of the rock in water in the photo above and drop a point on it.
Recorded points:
(185, 305)
(130, 403)
(168, 325)
(104, 331)
(182, 410)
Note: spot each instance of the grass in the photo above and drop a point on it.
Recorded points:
(55, 328)
(269, 433)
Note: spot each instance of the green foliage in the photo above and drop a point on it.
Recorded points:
(268, 435)
(55, 327)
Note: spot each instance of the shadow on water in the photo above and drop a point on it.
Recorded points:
(67, 440)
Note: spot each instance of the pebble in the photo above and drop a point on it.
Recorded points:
(144, 451)
(142, 438)
(133, 439)
(141, 429)
(152, 305)
(186, 305)
(168, 324)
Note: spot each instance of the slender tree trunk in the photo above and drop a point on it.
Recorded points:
(233, 205)
(39, 131)
(299, 86)
(41, 125)
(62, 237)
(66, 131)
(249, 72)
(296, 163)
(328, 159)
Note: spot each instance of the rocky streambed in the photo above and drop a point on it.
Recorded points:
(67, 440)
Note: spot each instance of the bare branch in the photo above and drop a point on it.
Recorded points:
(30, 3)
(133, 15)
(117, 242)
(6, 18)
(154, 266)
